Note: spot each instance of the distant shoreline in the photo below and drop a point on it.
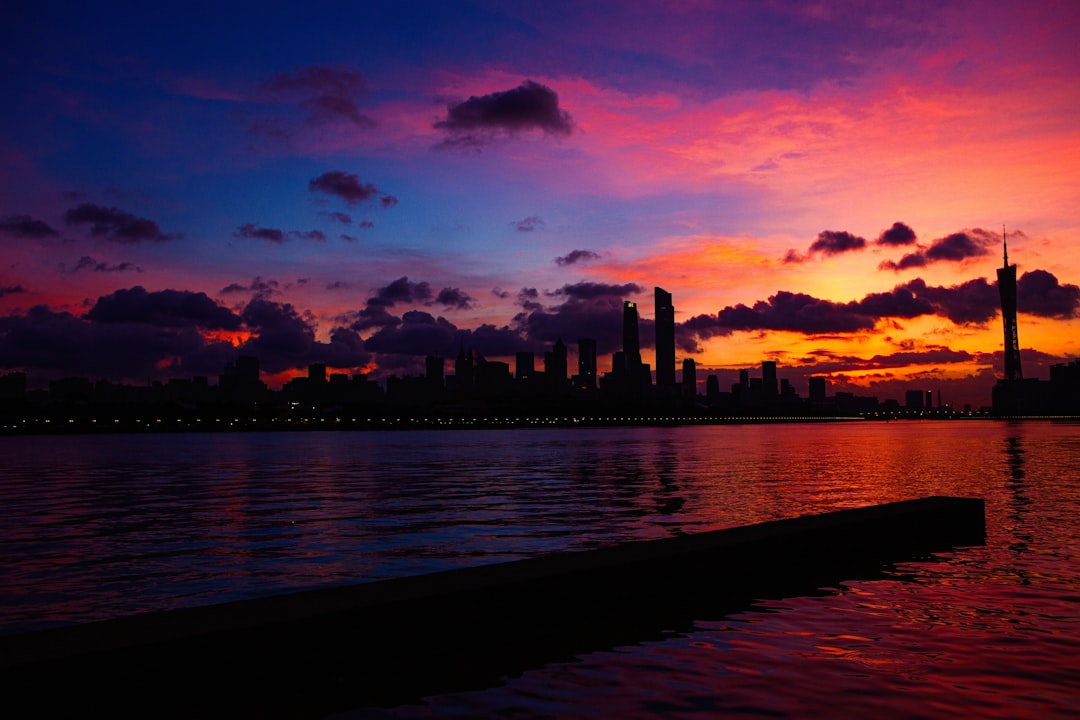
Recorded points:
(96, 426)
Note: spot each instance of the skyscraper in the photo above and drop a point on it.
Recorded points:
(587, 363)
(630, 344)
(665, 339)
(1007, 287)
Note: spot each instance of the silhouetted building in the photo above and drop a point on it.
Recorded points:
(1007, 289)
(665, 340)
(631, 345)
(555, 368)
(768, 379)
(524, 366)
(316, 373)
(464, 371)
(587, 363)
(712, 389)
(689, 378)
(435, 367)
(818, 389)
(914, 400)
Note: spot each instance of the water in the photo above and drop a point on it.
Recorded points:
(98, 526)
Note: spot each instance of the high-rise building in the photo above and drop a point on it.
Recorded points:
(689, 377)
(665, 339)
(587, 363)
(768, 378)
(818, 387)
(1007, 288)
(555, 367)
(631, 345)
(525, 365)
(316, 373)
(435, 366)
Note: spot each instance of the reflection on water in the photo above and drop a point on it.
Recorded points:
(92, 527)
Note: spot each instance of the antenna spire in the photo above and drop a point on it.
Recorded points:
(1005, 244)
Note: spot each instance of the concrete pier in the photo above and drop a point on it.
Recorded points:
(390, 641)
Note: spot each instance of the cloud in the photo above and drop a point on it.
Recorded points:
(342, 218)
(259, 286)
(576, 256)
(1039, 293)
(285, 340)
(529, 224)
(420, 334)
(326, 94)
(59, 343)
(163, 308)
(253, 232)
(898, 234)
(455, 298)
(972, 302)
(24, 226)
(401, 290)
(278, 237)
(828, 243)
(11, 290)
(116, 225)
(88, 263)
(957, 247)
(500, 293)
(526, 107)
(349, 188)
(591, 290)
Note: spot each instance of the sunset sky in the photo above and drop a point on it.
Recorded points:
(364, 184)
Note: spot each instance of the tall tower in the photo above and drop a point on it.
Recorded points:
(1007, 287)
(665, 339)
(587, 362)
(630, 344)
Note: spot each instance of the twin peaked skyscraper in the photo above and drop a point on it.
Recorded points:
(665, 340)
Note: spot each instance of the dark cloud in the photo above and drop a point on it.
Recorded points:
(500, 293)
(420, 334)
(284, 340)
(338, 285)
(11, 290)
(900, 302)
(349, 188)
(61, 343)
(401, 290)
(589, 290)
(1039, 293)
(259, 285)
(526, 107)
(24, 226)
(833, 242)
(528, 299)
(163, 308)
(972, 302)
(253, 232)
(326, 94)
(88, 263)
(529, 224)
(453, 297)
(956, 247)
(116, 225)
(342, 218)
(577, 256)
(365, 224)
(898, 234)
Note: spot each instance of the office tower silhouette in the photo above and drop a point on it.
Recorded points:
(555, 367)
(631, 345)
(587, 363)
(316, 373)
(768, 378)
(665, 339)
(435, 366)
(689, 377)
(1007, 288)
(525, 365)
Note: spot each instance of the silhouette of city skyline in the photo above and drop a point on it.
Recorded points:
(479, 386)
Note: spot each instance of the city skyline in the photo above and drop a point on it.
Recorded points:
(819, 188)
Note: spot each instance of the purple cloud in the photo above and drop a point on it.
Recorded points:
(116, 225)
(1039, 293)
(24, 226)
(898, 234)
(327, 94)
(11, 290)
(529, 224)
(259, 286)
(956, 247)
(349, 188)
(576, 256)
(88, 263)
(453, 298)
(163, 308)
(526, 107)
(278, 237)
